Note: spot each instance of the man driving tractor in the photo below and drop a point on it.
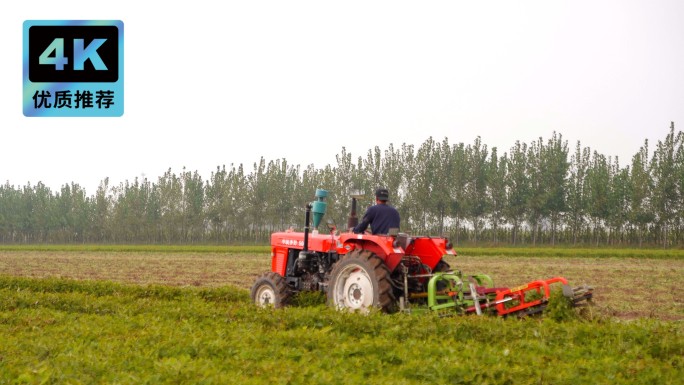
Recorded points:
(381, 217)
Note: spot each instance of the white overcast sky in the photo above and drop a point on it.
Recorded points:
(209, 83)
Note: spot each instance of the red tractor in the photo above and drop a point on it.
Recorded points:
(389, 272)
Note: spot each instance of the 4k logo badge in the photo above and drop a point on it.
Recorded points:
(73, 68)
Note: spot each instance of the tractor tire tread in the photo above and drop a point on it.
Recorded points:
(280, 287)
(386, 298)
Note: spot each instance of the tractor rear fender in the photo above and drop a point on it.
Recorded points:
(381, 245)
(430, 250)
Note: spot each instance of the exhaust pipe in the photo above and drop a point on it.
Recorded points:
(307, 217)
(353, 220)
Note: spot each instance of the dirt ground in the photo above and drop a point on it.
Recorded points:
(623, 288)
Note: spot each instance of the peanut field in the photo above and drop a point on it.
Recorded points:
(134, 316)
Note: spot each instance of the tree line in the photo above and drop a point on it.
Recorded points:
(538, 193)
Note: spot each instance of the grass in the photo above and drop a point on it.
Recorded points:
(571, 252)
(138, 248)
(58, 330)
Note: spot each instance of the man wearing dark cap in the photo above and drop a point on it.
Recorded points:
(381, 217)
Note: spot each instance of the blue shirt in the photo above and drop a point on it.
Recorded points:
(381, 217)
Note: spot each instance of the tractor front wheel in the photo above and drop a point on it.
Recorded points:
(270, 289)
(360, 281)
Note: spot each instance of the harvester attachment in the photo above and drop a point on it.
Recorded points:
(533, 297)
(447, 291)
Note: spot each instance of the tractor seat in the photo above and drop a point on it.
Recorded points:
(401, 240)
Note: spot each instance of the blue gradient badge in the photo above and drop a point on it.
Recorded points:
(73, 68)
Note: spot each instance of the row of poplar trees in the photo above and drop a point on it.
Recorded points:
(539, 193)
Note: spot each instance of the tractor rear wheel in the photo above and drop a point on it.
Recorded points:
(270, 289)
(360, 281)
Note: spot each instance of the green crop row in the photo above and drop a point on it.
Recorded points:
(254, 249)
(264, 249)
(58, 331)
(570, 252)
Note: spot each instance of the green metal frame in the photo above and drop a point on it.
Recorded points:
(453, 284)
